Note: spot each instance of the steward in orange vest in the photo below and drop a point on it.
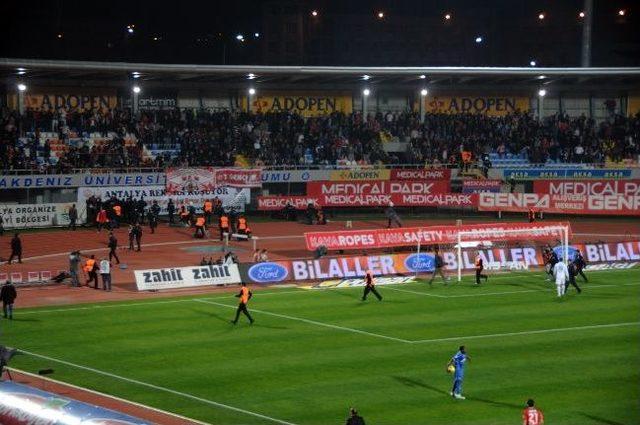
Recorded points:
(200, 228)
(208, 210)
(244, 295)
(90, 267)
(224, 225)
(243, 226)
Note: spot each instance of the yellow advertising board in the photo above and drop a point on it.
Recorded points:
(307, 104)
(68, 98)
(492, 105)
(361, 174)
(633, 105)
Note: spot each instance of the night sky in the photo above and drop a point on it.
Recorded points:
(413, 32)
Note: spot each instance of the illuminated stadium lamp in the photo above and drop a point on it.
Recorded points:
(130, 28)
(542, 92)
(22, 72)
(581, 14)
(422, 77)
(622, 12)
(366, 77)
(137, 89)
(251, 76)
(156, 38)
(240, 37)
(423, 92)
(314, 13)
(381, 15)
(541, 16)
(256, 34)
(447, 16)
(366, 92)
(59, 35)
(22, 87)
(532, 63)
(478, 39)
(541, 77)
(135, 74)
(252, 91)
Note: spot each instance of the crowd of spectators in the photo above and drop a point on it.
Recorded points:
(219, 138)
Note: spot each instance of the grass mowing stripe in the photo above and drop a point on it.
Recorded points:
(541, 331)
(158, 388)
(311, 322)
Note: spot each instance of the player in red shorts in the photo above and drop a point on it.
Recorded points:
(532, 415)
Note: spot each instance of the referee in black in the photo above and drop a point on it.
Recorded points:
(370, 286)
(437, 270)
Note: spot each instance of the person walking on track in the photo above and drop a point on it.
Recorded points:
(113, 246)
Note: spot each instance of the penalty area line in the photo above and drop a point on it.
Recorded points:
(311, 322)
(157, 387)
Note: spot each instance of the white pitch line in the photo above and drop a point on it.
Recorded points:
(541, 331)
(311, 322)
(159, 388)
(415, 292)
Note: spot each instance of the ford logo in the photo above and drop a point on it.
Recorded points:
(268, 272)
(420, 263)
(559, 250)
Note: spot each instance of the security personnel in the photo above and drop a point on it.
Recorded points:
(200, 223)
(370, 286)
(479, 267)
(171, 209)
(531, 215)
(153, 221)
(244, 295)
(91, 268)
(580, 265)
(224, 225)
(16, 248)
(117, 215)
(184, 215)
(208, 210)
(243, 226)
(113, 246)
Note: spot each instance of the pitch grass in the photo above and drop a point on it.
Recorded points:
(304, 373)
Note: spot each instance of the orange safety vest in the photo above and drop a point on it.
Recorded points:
(200, 222)
(224, 222)
(89, 265)
(208, 206)
(102, 216)
(242, 224)
(244, 295)
(118, 210)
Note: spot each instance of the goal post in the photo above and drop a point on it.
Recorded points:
(476, 238)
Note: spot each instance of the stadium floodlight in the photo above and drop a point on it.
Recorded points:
(423, 92)
(22, 72)
(314, 13)
(135, 74)
(532, 63)
(478, 39)
(380, 15)
(422, 76)
(542, 92)
(366, 77)
(622, 12)
(252, 91)
(366, 92)
(447, 16)
(130, 28)
(59, 35)
(251, 76)
(240, 37)
(581, 14)
(137, 89)
(541, 77)
(256, 34)
(541, 16)
(22, 86)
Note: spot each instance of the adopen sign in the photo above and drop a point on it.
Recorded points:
(184, 277)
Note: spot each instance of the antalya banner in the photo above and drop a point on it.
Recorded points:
(615, 204)
(21, 216)
(190, 179)
(397, 264)
(431, 235)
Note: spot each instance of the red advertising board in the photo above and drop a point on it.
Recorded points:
(587, 187)
(209, 178)
(412, 236)
(477, 186)
(276, 203)
(421, 174)
(616, 204)
(381, 192)
(235, 177)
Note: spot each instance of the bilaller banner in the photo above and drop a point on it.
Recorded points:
(230, 197)
(24, 216)
(185, 277)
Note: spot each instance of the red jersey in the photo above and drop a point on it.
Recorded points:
(532, 416)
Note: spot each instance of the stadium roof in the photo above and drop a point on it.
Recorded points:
(50, 72)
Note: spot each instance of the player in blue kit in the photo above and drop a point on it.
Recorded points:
(458, 361)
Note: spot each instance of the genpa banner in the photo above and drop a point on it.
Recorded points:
(30, 181)
(185, 277)
(431, 235)
(609, 204)
(21, 216)
(209, 178)
(399, 264)
(566, 173)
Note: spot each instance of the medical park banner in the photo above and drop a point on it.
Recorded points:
(350, 267)
(230, 196)
(307, 104)
(186, 277)
(588, 187)
(35, 181)
(492, 105)
(25, 216)
(209, 178)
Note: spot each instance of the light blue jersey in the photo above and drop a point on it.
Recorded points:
(458, 361)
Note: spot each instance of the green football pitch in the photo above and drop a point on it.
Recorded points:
(312, 354)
